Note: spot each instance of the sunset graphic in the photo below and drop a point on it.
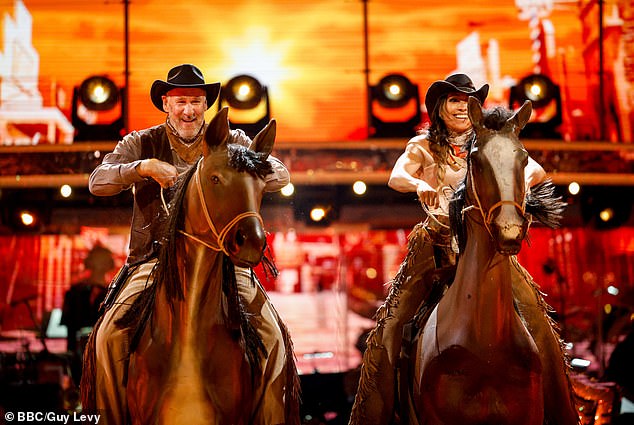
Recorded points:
(310, 55)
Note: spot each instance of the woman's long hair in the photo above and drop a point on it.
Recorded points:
(438, 137)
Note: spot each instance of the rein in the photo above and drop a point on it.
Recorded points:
(220, 236)
(433, 217)
(488, 217)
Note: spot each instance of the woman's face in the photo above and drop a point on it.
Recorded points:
(454, 113)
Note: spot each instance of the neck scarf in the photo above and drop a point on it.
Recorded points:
(188, 149)
(456, 157)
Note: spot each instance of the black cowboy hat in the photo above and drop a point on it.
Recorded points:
(183, 76)
(454, 83)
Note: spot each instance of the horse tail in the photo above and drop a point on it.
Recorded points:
(88, 385)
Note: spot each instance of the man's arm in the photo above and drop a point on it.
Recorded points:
(123, 167)
(279, 178)
(118, 170)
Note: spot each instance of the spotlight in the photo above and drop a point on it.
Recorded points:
(248, 102)
(546, 99)
(394, 91)
(97, 109)
(359, 187)
(65, 191)
(26, 220)
(394, 107)
(99, 93)
(574, 188)
(606, 207)
(606, 214)
(317, 214)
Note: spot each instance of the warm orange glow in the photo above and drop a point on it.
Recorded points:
(606, 214)
(317, 214)
(27, 218)
(309, 55)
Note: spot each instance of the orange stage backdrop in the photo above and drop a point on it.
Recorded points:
(309, 53)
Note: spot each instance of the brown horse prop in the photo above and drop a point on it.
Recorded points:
(482, 353)
(197, 354)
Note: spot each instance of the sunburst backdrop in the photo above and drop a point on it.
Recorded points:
(310, 54)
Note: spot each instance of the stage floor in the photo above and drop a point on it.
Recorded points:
(323, 330)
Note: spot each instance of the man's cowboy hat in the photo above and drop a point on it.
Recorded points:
(183, 76)
(454, 83)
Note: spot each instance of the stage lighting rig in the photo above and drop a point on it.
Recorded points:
(546, 99)
(98, 110)
(248, 101)
(394, 107)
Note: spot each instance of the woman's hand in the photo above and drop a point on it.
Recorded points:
(162, 172)
(427, 195)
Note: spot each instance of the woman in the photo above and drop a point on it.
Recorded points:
(432, 165)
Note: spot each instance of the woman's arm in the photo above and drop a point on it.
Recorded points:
(533, 173)
(402, 177)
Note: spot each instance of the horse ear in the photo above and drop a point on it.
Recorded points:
(264, 140)
(217, 132)
(474, 109)
(521, 117)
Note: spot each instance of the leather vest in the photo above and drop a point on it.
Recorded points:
(148, 215)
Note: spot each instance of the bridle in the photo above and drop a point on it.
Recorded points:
(488, 216)
(219, 236)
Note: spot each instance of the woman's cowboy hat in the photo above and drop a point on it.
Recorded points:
(454, 83)
(183, 76)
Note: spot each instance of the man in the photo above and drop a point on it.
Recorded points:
(149, 160)
(80, 310)
(83, 298)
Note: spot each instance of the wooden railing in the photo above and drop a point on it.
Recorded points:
(589, 163)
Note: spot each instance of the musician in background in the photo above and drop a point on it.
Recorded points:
(83, 299)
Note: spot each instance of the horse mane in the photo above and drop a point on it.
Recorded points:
(166, 275)
(541, 201)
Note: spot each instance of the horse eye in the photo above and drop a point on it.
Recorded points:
(215, 179)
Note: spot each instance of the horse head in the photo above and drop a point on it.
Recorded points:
(496, 174)
(230, 184)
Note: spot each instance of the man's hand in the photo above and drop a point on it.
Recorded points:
(164, 173)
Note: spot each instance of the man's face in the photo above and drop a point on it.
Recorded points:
(185, 109)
